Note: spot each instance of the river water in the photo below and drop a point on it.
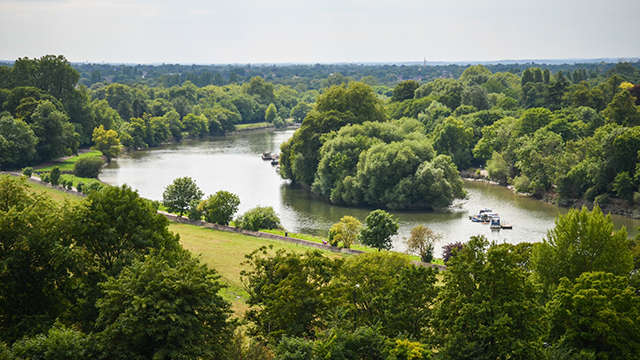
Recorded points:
(233, 163)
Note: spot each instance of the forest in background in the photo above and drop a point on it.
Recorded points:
(572, 134)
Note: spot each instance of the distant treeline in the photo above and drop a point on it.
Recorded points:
(310, 76)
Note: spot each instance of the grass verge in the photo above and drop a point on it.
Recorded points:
(70, 162)
(67, 165)
(260, 125)
(360, 247)
(226, 251)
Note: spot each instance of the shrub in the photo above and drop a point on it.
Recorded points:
(278, 122)
(54, 177)
(259, 218)
(220, 207)
(79, 186)
(88, 167)
(521, 183)
(194, 213)
(58, 343)
(451, 250)
(45, 178)
(69, 184)
(92, 187)
(27, 171)
(601, 200)
(422, 242)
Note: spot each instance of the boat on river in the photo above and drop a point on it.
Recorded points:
(484, 216)
(495, 223)
(266, 156)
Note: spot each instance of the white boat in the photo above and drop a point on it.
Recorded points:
(495, 223)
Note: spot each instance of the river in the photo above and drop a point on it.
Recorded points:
(233, 163)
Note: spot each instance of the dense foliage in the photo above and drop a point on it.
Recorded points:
(72, 275)
(260, 217)
(88, 167)
(567, 131)
(106, 279)
(220, 207)
(490, 304)
(179, 195)
(572, 137)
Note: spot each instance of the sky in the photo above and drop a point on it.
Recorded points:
(326, 31)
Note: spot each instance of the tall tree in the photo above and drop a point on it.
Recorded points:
(422, 241)
(36, 261)
(345, 231)
(56, 136)
(596, 315)
(164, 308)
(581, 241)
(404, 91)
(487, 308)
(115, 225)
(17, 143)
(623, 110)
(106, 142)
(177, 196)
(289, 293)
(379, 227)
(335, 108)
(271, 113)
(220, 207)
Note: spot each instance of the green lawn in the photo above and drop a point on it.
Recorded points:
(56, 195)
(67, 165)
(224, 251)
(70, 162)
(360, 247)
(259, 125)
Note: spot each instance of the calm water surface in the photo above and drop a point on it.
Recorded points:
(233, 163)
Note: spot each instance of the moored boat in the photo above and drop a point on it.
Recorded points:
(495, 223)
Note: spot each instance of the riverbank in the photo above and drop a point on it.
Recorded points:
(612, 205)
(259, 234)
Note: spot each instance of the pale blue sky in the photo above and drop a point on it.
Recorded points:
(281, 31)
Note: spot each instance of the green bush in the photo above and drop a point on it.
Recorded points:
(27, 171)
(220, 207)
(601, 200)
(522, 183)
(88, 167)
(194, 213)
(259, 218)
(45, 178)
(278, 122)
(69, 184)
(92, 187)
(54, 177)
(79, 186)
(58, 343)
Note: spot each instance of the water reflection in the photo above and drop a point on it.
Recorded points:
(233, 163)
